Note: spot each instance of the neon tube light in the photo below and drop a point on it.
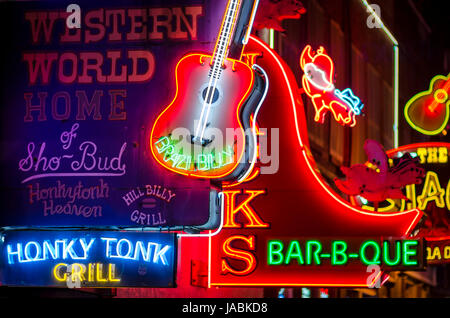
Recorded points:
(414, 214)
(271, 38)
(250, 25)
(209, 234)
(338, 200)
(328, 86)
(255, 142)
(318, 68)
(396, 67)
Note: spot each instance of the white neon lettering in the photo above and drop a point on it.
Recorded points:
(160, 254)
(68, 249)
(144, 252)
(108, 247)
(79, 249)
(125, 249)
(49, 249)
(119, 249)
(34, 251)
(38, 251)
(85, 247)
(11, 253)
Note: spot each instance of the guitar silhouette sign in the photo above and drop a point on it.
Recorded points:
(215, 98)
(428, 111)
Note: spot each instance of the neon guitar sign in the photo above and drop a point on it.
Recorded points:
(215, 96)
(428, 111)
(317, 82)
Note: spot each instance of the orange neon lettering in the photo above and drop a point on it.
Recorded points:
(239, 254)
(244, 207)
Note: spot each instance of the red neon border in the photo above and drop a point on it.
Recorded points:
(303, 148)
(324, 186)
(418, 145)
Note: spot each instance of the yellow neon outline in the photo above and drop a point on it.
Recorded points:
(419, 95)
(56, 273)
(426, 196)
(443, 99)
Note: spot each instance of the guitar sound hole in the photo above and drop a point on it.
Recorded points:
(213, 96)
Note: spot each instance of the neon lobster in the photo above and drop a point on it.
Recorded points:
(317, 83)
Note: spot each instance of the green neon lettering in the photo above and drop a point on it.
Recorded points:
(338, 255)
(202, 162)
(162, 144)
(294, 251)
(228, 156)
(275, 255)
(215, 161)
(315, 254)
(386, 253)
(376, 258)
(410, 250)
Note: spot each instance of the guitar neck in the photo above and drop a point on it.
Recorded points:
(223, 42)
(243, 28)
(447, 84)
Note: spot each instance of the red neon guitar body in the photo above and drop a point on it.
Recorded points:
(219, 158)
(429, 111)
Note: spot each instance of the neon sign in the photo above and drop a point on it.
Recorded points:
(92, 273)
(428, 112)
(279, 207)
(376, 180)
(432, 196)
(214, 93)
(92, 259)
(202, 162)
(317, 83)
(435, 189)
(402, 253)
(75, 144)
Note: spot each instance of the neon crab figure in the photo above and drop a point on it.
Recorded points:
(317, 83)
(375, 180)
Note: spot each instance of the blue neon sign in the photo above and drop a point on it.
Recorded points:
(89, 259)
(353, 101)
